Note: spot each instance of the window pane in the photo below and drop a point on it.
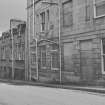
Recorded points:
(55, 47)
(87, 12)
(42, 20)
(100, 9)
(48, 15)
(67, 6)
(68, 19)
(67, 13)
(34, 58)
(43, 17)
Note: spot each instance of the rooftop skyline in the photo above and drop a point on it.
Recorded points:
(11, 9)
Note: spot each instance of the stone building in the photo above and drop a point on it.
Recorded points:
(82, 34)
(12, 50)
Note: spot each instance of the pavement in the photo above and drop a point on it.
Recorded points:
(39, 95)
(95, 89)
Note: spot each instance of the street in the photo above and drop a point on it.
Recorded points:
(33, 95)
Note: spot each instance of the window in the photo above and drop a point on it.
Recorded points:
(43, 56)
(33, 58)
(14, 30)
(87, 6)
(3, 52)
(54, 57)
(54, 60)
(19, 30)
(37, 23)
(42, 21)
(68, 13)
(20, 51)
(48, 16)
(103, 55)
(22, 28)
(99, 8)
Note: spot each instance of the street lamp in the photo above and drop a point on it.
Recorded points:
(58, 4)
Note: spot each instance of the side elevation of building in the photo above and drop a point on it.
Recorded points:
(74, 27)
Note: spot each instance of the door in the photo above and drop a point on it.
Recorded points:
(87, 72)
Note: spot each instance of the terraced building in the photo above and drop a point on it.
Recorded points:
(12, 51)
(73, 28)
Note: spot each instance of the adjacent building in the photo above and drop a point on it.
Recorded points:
(12, 50)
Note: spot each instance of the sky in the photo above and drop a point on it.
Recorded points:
(11, 9)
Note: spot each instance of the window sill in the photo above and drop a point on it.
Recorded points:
(101, 16)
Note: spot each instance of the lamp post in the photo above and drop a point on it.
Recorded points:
(60, 41)
(60, 63)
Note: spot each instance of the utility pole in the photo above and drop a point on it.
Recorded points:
(35, 36)
(60, 56)
(12, 50)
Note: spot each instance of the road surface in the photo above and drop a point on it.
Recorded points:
(33, 95)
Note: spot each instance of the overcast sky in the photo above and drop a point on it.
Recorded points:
(11, 9)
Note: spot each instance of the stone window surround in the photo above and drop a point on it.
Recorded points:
(43, 22)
